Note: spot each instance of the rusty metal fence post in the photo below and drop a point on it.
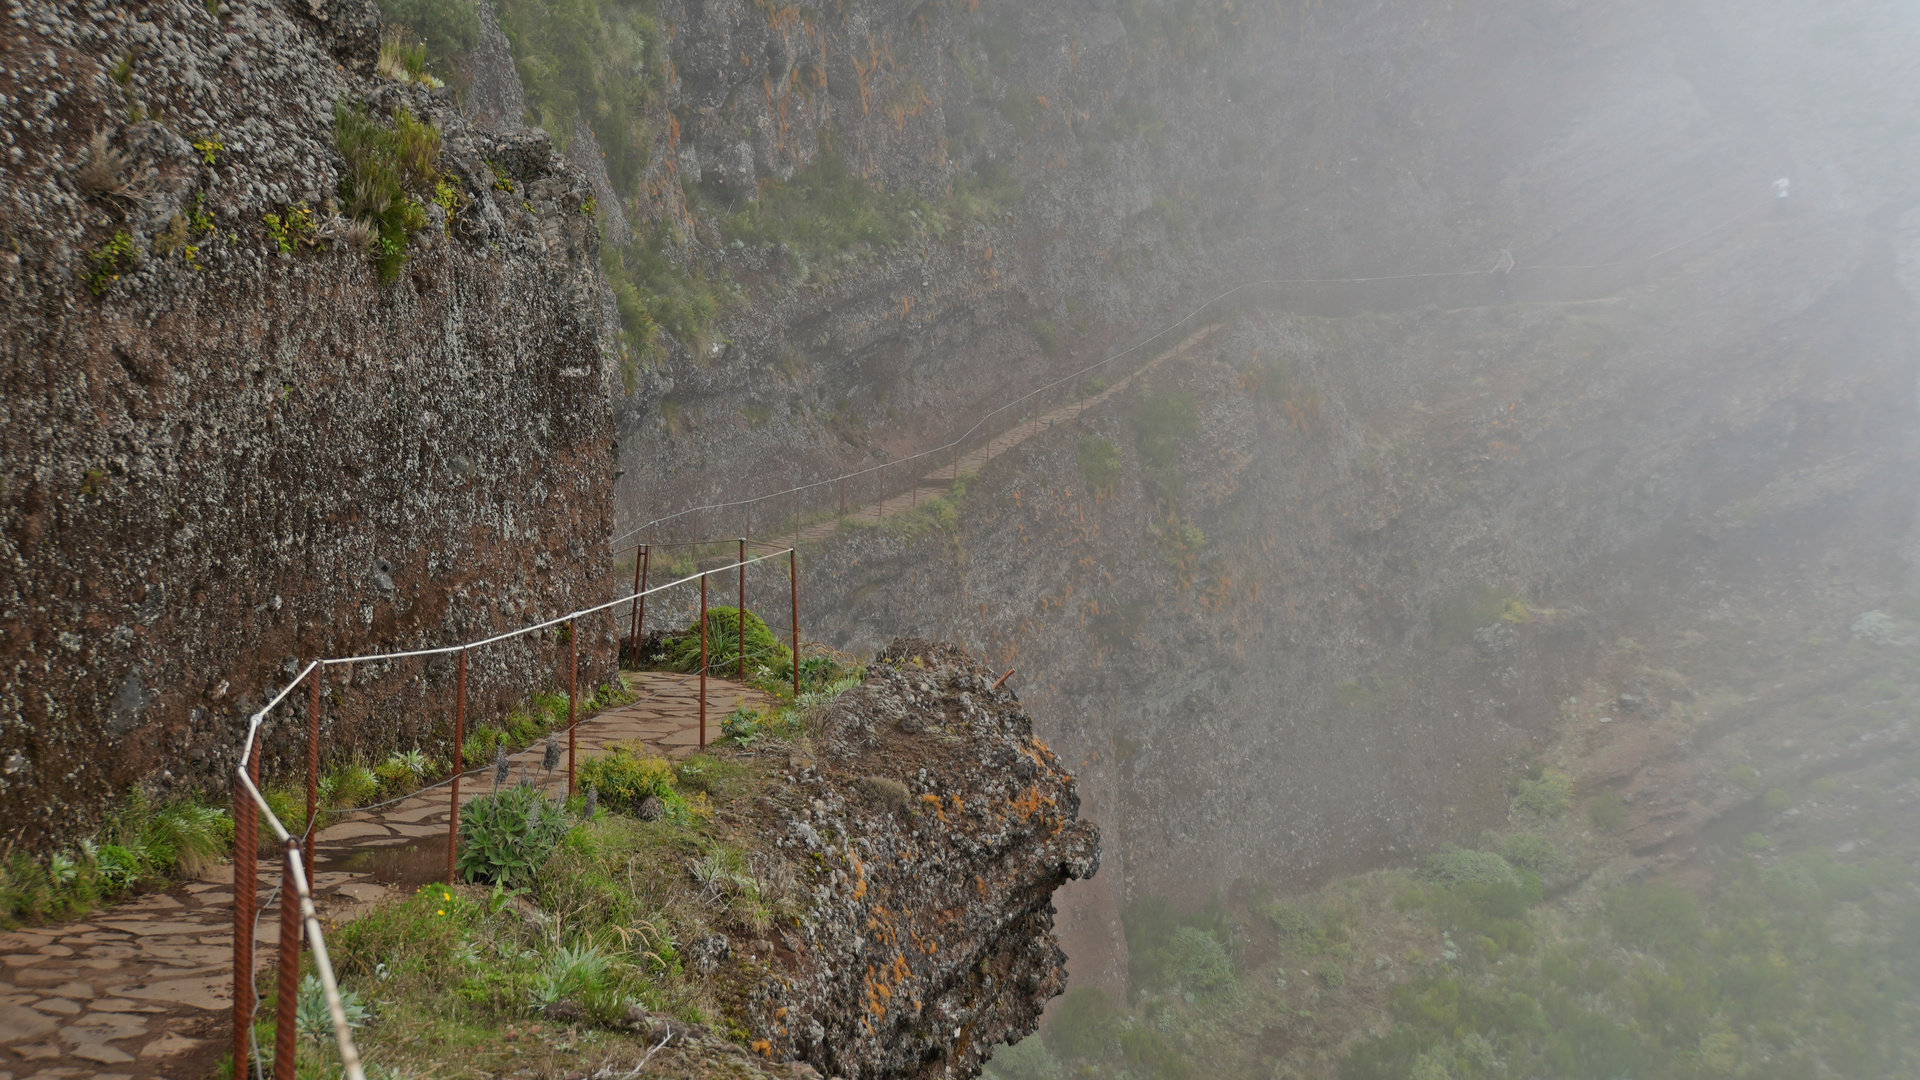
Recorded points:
(246, 850)
(703, 661)
(793, 593)
(459, 766)
(573, 700)
(640, 612)
(313, 758)
(633, 630)
(742, 614)
(286, 1031)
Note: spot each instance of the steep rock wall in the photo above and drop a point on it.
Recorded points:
(221, 460)
(1693, 411)
(931, 832)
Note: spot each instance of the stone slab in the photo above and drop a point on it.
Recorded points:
(21, 1022)
(349, 830)
(202, 992)
(161, 929)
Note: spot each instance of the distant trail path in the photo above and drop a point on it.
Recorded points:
(141, 989)
(939, 480)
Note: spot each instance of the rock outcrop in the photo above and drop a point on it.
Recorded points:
(928, 835)
(226, 445)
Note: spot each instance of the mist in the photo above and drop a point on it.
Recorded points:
(1262, 539)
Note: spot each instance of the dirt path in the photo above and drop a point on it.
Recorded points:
(941, 479)
(142, 989)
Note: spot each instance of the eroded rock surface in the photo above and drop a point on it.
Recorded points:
(930, 831)
(219, 458)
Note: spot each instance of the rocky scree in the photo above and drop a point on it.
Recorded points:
(227, 446)
(927, 833)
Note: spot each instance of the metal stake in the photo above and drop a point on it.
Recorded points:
(313, 757)
(742, 620)
(633, 631)
(286, 1031)
(573, 701)
(459, 737)
(703, 661)
(793, 591)
(246, 844)
(640, 612)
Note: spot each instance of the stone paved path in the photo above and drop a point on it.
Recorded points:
(142, 989)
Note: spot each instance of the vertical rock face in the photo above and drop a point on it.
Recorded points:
(932, 832)
(226, 446)
(1691, 398)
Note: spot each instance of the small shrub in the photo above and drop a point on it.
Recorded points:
(1045, 335)
(1529, 852)
(1287, 920)
(1099, 464)
(505, 838)
(1777, 799)
(1149, 1051)
(1161, 422)
(1547, 796)
(315, 1020)
(1755, 842)
(109, 261)
(1330, 975)
(1459, 866)
(1608, 812)
(348, 786)
(741, 725)
(288, 805)
(1745, 776)
(625, 779)
(403, 770)
(290, 229)
(1027, 1059)
(1658, 916)
(479, 746)
(1198, 961)
(1085, 1027)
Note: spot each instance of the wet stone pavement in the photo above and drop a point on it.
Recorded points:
(143, 989)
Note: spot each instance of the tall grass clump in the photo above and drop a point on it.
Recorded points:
(681, 652)
(391, 169)
(140, 843)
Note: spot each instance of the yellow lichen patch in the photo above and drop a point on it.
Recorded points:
(933, 803)
(860, 875)
(762, 1046)
(1030, 802)
(958, 806)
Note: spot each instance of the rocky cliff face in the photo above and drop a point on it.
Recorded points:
(228, 446)
(1423, 513)
(918, 837)
(933, 830)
